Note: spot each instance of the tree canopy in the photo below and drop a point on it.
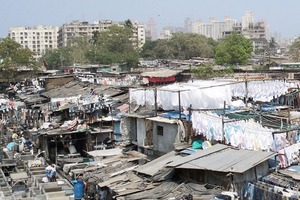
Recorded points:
(179, 46)
(294, 50)
(12, 56)
(73, 53)
(114, 46)
(233, 50)
(206, 71)
(57, 58)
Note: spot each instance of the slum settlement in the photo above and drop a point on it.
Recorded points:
(158, 134)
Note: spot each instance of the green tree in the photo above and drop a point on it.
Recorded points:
(13, 56)
(206, 71)
(163, 50)
(57, 58)
(77, 48)
(148, 49)
(233, 49)
(180, 46)
(94, 38)
(203, 71)
(294, 50)
(188, 45)
(113, 46)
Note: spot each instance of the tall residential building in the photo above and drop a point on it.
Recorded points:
(214, 29)
(247, 20)
(151, 31)
(38, 39)
(139, 34)
(79, 29)
(258, 33)
(168, 31)
(188, 25)
(205, 29)
(255, 31)
(195, 26)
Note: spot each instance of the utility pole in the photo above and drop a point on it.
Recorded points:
(179, 104)
(155, 101)
(56, 150)
(246, 90)
(190, 126)
(223, 123)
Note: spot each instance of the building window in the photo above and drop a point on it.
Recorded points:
(160, 130)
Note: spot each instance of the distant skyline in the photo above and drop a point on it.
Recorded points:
(281, 16)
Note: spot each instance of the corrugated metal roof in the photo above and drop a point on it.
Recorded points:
(228, 160)
(163, 120)
(53, 132)
(139, 116)
(161, 73)
(213, 149)
(154, 166)
(75, 88)
(105, 152)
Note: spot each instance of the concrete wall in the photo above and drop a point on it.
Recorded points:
(128, 128)
(164, 143)
(141, 132)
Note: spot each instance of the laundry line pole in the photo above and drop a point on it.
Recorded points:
(56, 154)
(246, 90)
(223, 124)
(189, 136)
(155, 101)
(179, 104)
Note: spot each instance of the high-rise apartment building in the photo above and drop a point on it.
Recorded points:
(188, 25)
(255, 31)
(79, 29)
(168, 31)
(214, 29)
(247, 20)
(151, 31)
(38, 39)
(139, 34)
(195, 26)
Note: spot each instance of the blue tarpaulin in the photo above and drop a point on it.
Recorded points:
(175, 115)
(10, 145)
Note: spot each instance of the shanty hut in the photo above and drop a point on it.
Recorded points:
(224, 166)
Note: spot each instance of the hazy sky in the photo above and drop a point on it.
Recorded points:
(282, 16)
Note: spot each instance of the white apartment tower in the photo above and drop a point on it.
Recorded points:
(139, 34)
(247, 20)
(195, 26)
(80, 29)
(151, 31)
(38, 39)
(214, 28)
(188, 25)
